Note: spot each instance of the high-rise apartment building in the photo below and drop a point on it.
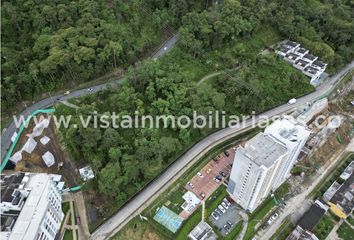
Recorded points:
(30, 206)
(265, 162)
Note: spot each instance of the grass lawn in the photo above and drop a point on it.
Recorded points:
(345, 232)
(350, 219)
(65, 207)
(68, 235)
(137, 230)
(324, 227)
(235, 231)
(189, 224)
(283, 232)
(257, 216)
(215, 199)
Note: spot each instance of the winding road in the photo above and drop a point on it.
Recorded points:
(174, 171)
(47, 102)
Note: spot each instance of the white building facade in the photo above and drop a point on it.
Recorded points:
(30, 207)
(265, 162)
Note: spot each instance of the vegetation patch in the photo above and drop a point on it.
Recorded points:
(324, 227)
(257, 216)
(345, 232)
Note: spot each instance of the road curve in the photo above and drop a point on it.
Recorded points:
(150, 192)
(47, 102)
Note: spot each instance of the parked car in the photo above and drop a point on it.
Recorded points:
(226, 153)
(218, 211)
(274, 216)
(202, 195)
(229, 223)
(200, 174)
(227, 202)
(215, 160)
(190, 184)
(227, 228)
(224, 205)
(78, 221)
(216, 180)
(222, 174)
(215, 215)
(208, 171)
(222, 209)
(90, 89)
(218, 177)
(269, 221)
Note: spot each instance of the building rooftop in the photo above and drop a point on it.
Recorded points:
(301, 50)
(348, 171)
(288, 131)
(202, 232)
(319, 64)
(300, 234)
(292, 56)
(291, 44)
(284, 49)
(310, 57)
(344, 196)
(263, 150)
(311, 70)
(310, 219)
(302, 62)
(9, 184)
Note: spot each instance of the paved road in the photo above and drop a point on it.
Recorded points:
(45, 103)
(149, 193)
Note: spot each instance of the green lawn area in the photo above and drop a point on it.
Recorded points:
(65, 207)
(68, 235)
(215, 199)
(324, 227)
(137, 230)
(283, 232)
(235, 231)
(257, 216)
(190, 223)
(350, 219)
(345, 232)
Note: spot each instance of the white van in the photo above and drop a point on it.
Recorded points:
(292, 101)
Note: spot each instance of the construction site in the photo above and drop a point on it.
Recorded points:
(39, 150)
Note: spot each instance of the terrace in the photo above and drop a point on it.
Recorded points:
(301, 64)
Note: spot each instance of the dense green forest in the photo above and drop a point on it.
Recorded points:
(49, 43)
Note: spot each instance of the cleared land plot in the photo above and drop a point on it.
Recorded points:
(34, 163)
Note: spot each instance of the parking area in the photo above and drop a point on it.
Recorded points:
(212, 175)
(225, 219)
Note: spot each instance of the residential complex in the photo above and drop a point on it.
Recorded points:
(30, 206)
(265, 162)
(301, 59)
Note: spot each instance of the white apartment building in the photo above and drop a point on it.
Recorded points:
(265, 162)
(293, 136)
(30, 206)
